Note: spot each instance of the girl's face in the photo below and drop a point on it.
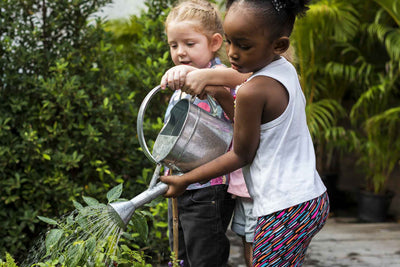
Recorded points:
(248, 45)
(188, 46)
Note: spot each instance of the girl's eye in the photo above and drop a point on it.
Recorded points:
(173, 45)
(190, 44)
(244, 47)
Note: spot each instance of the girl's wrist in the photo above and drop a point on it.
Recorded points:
(184, 180)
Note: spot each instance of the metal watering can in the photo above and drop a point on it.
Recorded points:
(190, 138)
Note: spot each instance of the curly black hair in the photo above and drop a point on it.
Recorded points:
(278, 15)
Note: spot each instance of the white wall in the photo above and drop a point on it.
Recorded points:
(121, 9)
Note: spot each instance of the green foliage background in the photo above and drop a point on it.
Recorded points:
(70, 91)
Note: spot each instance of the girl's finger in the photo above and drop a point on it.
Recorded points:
(182, 79)
(176, 80)
(171, 83)
(202, 95)
(163, 82)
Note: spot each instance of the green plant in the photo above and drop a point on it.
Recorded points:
(68, 108)
(315, 41)
(376, 112)
(10, 262)
(348, 66)
(89, 236)
(175, 262)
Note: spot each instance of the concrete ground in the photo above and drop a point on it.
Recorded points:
(344, 242)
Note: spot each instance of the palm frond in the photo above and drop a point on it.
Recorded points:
(392, 7)
(392, 42)
(374, 100)
(335, 18)
(326, 22)
(387, 35)
(349, 73)
(322, 115)
(388, 120)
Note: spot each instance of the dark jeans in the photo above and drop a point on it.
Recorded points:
(204, 215)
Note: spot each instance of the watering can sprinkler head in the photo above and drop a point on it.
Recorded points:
(121, 212)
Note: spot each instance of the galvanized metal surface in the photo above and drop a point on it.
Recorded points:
(122, 212)
(190, 138)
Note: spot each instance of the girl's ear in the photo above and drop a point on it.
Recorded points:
(281, 45)
(216, 42)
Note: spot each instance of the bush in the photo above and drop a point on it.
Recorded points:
(68, 108)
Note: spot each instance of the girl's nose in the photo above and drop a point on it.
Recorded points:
(181, 51)
(232, 53)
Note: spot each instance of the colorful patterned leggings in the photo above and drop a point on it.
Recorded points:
(282, 238)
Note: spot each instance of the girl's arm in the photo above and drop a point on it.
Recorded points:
(194, 80)
(223, 96)
(198, 79)
(249, 108)
(215, 82)
(202, 82)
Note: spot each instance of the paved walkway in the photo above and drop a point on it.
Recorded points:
(344, 242)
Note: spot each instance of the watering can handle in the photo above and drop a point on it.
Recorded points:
(139, 123)
(140, 118)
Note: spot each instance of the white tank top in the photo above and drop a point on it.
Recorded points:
(283, 172)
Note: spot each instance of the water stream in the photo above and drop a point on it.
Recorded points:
(88, 235)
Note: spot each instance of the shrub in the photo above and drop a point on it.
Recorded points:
(68, 107)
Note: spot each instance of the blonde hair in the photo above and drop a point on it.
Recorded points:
(203, 12)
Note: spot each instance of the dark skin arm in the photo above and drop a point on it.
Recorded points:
(258, 101)
(203, 82)
(223, 96)
(196, 80)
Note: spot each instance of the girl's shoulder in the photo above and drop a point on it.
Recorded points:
(262, 89)
(257, 83)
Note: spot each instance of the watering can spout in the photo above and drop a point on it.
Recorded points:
(121, 212)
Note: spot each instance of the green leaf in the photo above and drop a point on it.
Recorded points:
(91, 245)
(75, 253)
(47, 220)
(106, 101)
(46, 156)
(52, 239)
(90, 201)
(114, 193)
(140, 225)
(77, 205)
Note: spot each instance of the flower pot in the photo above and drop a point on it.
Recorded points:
(373, 207)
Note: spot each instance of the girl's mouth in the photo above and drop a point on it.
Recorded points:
(185, 62)
(235, 66)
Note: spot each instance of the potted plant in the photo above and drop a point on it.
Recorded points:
(375, 114)
(315, 56)
(379, 152)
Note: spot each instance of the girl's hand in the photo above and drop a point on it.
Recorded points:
(175, 77)
(176, 185)
(196, 81)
